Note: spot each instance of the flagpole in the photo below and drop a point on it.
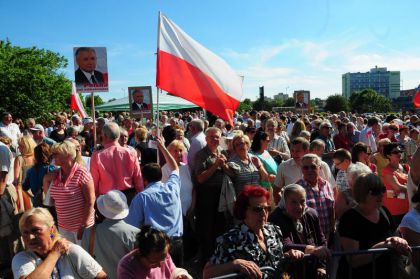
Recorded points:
(92, 100)
(157, 87)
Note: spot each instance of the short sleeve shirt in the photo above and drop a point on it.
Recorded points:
(86, 267)
(69, 199)
(242, 243)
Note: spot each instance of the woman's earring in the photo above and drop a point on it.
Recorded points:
(52, 236)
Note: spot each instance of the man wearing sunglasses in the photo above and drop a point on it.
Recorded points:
(319, 194)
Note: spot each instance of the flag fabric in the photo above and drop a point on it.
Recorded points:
(76, 103)
(416, 99)
(187, 69)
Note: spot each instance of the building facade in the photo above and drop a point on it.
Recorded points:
(386, 83)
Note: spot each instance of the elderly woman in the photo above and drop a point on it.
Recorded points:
(277, 146)
(319, 194)
(48, 255)
(253, 243)
(369, 225)
(150, 259)
(23, 162)
(395, 178)
(245, 168)
(72, 191)
(301, 229)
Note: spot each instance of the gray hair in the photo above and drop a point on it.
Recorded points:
(198, 124)
(312, 157)
(356, 170)
(293, 189)
(316, 144)
(213, 130)
(111, 130)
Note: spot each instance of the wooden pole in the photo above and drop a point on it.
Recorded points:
(92, 98)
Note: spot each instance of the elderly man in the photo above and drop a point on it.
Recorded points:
(9, 129)
(198, 139)
(39, 135)
(115, 167)
(319, 194)
(86, 73)
(209, 170)
(367, 135)
(112, 230)
(138, 101)
(159, 205)
(325, 130)
(289, 171)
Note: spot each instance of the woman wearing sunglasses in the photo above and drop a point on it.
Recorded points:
(395, 178)
(253, 243)
(367, 226)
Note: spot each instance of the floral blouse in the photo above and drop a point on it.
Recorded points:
(242, 243)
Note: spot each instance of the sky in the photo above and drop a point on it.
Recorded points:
(283, 45)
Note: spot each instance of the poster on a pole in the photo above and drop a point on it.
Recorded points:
(90, 69)
(140, 98)
(302, 99)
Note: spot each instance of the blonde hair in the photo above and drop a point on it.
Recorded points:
(65, 148)
(239, 137)
(42, 214)
(26, 145)
(141, 133)
(78, 158)
(176, 144)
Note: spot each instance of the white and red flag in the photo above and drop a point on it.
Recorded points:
(76, 103)
(187, 69)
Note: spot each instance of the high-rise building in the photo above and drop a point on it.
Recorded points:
(281, 96)
(386, 83)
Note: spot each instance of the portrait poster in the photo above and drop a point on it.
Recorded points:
(140, 98)
(302, 100)
(90, 69)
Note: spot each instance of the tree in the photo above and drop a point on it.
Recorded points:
(245, 105)
(336, 103)
(368, 100)
(290, 102)
(98, 101)
(31, 84)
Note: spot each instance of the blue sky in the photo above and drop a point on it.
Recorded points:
(281, 44)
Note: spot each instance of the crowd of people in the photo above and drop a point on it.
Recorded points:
(139, 199)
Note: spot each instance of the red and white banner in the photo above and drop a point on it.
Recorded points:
(76, 103)
(187, 69)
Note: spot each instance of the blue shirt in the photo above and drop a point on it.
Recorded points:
(159, 205)
(34, 178)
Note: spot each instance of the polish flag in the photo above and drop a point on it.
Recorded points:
(76, 103)
(187, 69)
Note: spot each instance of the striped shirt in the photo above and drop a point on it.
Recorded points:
(69, 199)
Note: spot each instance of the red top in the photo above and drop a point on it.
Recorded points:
(342, 142)
(397, 204)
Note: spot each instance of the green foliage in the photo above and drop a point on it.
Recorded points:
(245, 105)
(336, 103)
(98, 101)
(368, 100)
(31, 84)
(290, 102)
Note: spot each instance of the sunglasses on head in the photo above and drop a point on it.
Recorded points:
(311, 167)
(260, 208)
(377, 191)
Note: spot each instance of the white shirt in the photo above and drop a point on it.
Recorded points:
(198, 141)
(6, 162)
(11, 131)
(288, 172)
(325, 173)
(366, 136)
(186, 185)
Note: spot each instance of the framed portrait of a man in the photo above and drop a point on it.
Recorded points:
(302, 98)
(140, 98)
(91, 69)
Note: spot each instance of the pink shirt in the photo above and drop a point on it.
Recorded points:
(129, 267)
(69, 200)
(115, 168)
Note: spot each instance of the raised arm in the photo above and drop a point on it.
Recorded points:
(168, 157)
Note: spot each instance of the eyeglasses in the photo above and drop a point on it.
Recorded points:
(377, 191)
(310, 167)
(396, 152)
(260, 208)
(338, 163)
